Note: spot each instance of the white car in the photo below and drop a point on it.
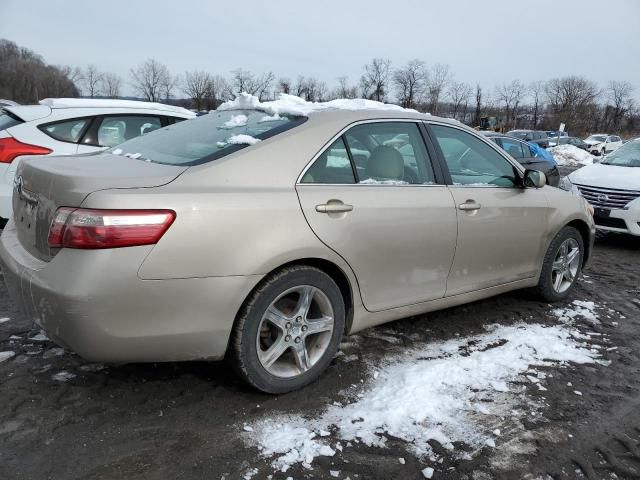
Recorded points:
(612, 187)
(69, 126)
(603, 143)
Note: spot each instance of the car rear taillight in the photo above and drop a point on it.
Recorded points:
(93, 228)
(10, 148)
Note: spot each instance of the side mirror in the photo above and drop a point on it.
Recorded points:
(534, 179)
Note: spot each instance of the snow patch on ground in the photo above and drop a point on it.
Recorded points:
(63, 376)
(292, 105)
(4, 319)
(435, 392)
(578, 308)
(4, 356)
(571, 156)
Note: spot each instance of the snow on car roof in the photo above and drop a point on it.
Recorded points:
(109, 103)
(292, 105)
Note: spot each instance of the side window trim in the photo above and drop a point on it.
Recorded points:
(519, 168)
(439, 174)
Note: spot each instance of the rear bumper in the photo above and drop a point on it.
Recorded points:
(94, 303)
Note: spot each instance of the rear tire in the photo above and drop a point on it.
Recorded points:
(289, 330)
(562, 265)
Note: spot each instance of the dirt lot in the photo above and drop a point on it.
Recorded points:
(184, 421)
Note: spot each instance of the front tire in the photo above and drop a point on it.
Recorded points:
(562, 265)
(289, 330)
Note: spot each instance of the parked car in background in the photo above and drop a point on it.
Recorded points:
(535, 136)
(7, 103)
(253, 234)
(575, 141)
(554, 133)
(612, 187)
(71, 126)
(529, 155)
(603, 143)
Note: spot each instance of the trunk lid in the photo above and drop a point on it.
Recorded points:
(42, 185)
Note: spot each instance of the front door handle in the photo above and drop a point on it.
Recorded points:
(334, 207)
(469, 205)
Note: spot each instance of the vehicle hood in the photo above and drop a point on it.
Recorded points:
(592, 142)
(43, 184)
(607, 176)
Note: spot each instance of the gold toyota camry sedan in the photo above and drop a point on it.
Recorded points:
(264, 232)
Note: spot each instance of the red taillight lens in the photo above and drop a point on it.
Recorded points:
(10, 148)
(89, 229)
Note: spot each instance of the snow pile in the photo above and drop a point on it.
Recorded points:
(242, 140)
(236, 121)
(571, 156)
(292, 105)
(436, 392)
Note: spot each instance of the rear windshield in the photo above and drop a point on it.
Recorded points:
(8, 119)
(206, 138)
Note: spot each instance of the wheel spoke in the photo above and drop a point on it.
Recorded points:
(302, 356)
(557, 266)
(304, 301)
(324, 324)
(573, 254)
(274, 352)
(558, 281)
(568, 274)
(276, 317)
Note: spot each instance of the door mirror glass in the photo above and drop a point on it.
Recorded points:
(534, 179)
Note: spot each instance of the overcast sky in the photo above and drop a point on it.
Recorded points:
(489, 42)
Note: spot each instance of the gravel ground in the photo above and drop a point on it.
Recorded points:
(63, 418)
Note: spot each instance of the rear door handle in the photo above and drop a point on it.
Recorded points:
(334, 208)
(469, 205)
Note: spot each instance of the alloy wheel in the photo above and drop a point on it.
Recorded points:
(295, 331)
(565, 265)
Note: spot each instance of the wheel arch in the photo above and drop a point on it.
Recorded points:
(585, 233)
(336, 273)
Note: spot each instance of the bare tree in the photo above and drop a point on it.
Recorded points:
(344, 90)
(218, 91)
(510, 95)
(620, 96)
(245, 81)
(284, 85)
(437, 81)
(478, 114)
(150, 80)
(375, 79)
(572, 100)
(536, 90)
(459, 94)
(91, 80)
(169, 84)
(110, 84)
(410, 82)
(196, 86)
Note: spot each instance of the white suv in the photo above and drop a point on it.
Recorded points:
(69, 126)
(602, 143)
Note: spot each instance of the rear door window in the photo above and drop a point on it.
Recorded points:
(116, 130)
(332, 167)
(67, 130)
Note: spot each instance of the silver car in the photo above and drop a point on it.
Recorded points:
(265, 238)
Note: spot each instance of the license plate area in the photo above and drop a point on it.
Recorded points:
(601, 212)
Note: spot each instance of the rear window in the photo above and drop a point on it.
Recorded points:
(206, 138)
(8, 119)
(66, 131)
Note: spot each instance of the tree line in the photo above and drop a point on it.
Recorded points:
(580, 103)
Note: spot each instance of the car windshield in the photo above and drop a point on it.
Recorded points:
(597, 138)
(205, 138)
(518, 134)
(7, 119)
(627, 155)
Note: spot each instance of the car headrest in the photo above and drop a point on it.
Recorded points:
(385, 163)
